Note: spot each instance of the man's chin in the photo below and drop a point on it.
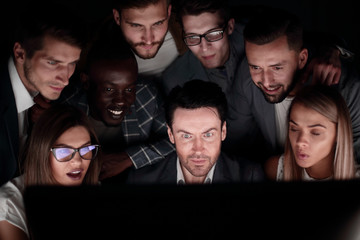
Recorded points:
(147, 54)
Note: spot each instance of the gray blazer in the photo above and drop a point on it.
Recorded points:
(264, 112)
(227, 170)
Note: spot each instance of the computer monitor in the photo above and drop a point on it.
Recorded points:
(271, 210)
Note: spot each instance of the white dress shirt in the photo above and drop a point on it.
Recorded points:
(180, 179)
(24, 100)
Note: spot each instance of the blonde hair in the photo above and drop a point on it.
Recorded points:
(329, 103)
(50, 126)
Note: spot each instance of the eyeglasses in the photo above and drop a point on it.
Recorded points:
(64, 154)
(212, 36)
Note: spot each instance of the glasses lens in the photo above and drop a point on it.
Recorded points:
(63, 154)
(192, 40)
(88, 152)
(214, 36)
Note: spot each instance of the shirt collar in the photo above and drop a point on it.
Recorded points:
(23, 98)
(180, 179)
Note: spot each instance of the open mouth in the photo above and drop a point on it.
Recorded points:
(115, 112)
(74, 174)
(208, 57)
(271, 90)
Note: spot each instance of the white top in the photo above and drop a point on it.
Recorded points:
(306, 176)
(23, 100)
(180, 179)
(281, 113)
(156, 65)
(11, 203)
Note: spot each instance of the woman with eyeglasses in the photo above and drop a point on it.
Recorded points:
(62, 150)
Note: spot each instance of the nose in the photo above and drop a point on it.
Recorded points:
(65, 73)
(302, 139)
(204, 44)
(118, 98)
(198, 145)
(76, 160)
(267, 78)
(148, 36)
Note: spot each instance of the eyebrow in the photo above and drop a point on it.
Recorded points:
(310, 126)
(212, 29)
(58, 61)
(183, 131)
(129, 22)
(68, 146)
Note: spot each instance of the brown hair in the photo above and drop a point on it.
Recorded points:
(270, 24)
(50, 126)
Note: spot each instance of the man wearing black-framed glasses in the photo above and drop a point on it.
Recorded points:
(216, 51)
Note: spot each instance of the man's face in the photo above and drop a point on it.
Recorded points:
(210, 54)
(273, 67)
(197, 135)
(112, 90)
(50, 69)
(145, 28)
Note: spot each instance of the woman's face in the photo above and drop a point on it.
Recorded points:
(71, 173)
(312, 137)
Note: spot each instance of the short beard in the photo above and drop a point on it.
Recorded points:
(27, 73)
(149, 56)
(283, 95)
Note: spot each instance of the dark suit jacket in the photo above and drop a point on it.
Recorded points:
(227, 170)
(264, 112)
(9, 128)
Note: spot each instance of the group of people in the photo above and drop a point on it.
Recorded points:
(175, 93)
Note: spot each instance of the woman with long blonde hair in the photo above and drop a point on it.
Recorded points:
(319, 145)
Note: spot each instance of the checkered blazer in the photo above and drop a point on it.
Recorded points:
(144, 128)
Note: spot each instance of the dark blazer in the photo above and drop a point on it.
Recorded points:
(264, 112)
(9, 128)
(227, 170)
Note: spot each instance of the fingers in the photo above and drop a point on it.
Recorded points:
(326, 74)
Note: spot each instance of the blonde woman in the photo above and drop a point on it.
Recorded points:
(62, 150)
(319, 145)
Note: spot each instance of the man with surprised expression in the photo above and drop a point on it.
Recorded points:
(195, 116)
(197, 135)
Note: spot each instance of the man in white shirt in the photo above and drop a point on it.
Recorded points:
(152, 34)
(196, 120)
(46, 49)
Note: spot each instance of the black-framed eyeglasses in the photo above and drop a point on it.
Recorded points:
(212, 36)
(64, 154)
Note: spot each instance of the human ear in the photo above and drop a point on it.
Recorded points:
(303, 57)
(19, 53)
(230, 26)
(223, 131)
(116, 16)
(169, 10)
(171, 136)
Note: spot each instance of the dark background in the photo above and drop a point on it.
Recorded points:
(341, 18)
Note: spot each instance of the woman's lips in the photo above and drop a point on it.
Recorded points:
(302, 156)
(75, 174)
